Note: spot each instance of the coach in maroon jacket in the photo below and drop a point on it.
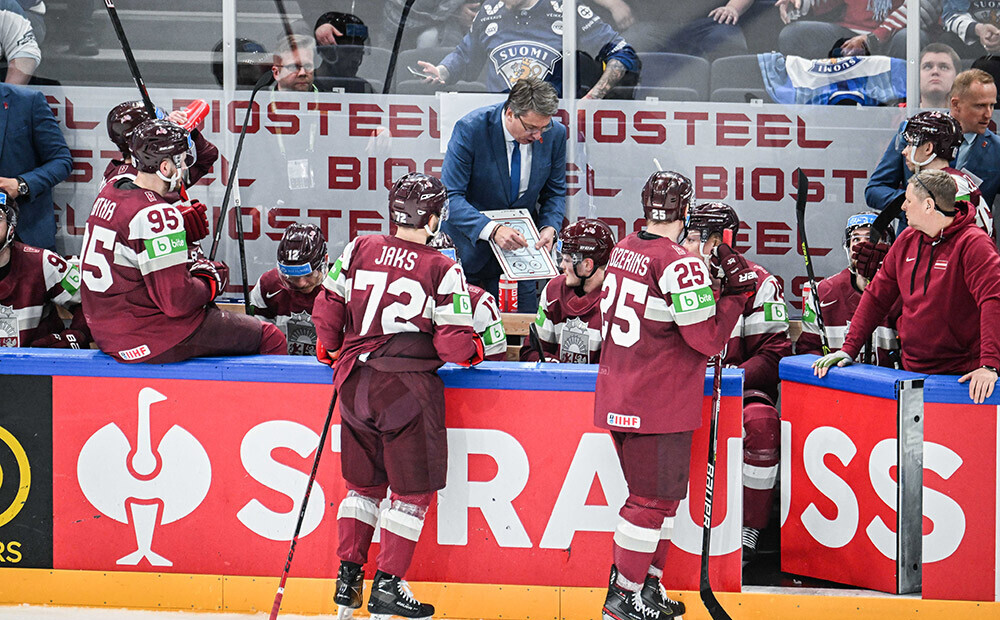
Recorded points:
(946, 270)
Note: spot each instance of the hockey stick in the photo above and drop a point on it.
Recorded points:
(889, 213)
(707, 596)
(237, 204)
(302, 511)
(535, 342)
(800, 216)
(262, 81)
(391, 69)
(129, 58)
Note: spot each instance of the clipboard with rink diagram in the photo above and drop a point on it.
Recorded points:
(525, 263)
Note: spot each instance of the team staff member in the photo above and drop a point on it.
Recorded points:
(385, 349)
(839, 296)
(946, 272)
(31, 282)
(756, 345)
(285, 295)
(658, 313)
(569, 314)
(142, 299)
(510, 155)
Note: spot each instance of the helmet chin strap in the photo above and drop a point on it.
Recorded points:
(583, 279)
(173, 182)
(850, 264)
(920, 164)
(430, 232)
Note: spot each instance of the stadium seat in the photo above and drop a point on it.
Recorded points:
(739, 73)
(667, 93)
(660, 69)
(419, 87)
(740, 95)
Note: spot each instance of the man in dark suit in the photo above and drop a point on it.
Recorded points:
(973, 96)
(33, 158)
(486, 145)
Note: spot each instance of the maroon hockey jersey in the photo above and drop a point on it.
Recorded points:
(760, 338)
(488, 324)
(660, 324)
(382, 286)
(30, 284)
(569, 325)
(950, 293)
(138, 297)
(290, 310)
(838, 299)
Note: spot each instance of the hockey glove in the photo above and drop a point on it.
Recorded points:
(868, 257)
(324, 356)
(735, 273)
(837, 358)
(216, 273)
(479, 355)
(195, 221)
(66, 339)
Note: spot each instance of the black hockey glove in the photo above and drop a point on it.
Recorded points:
(868, 257)
(216, 273)
(735, 273)
(66, 339)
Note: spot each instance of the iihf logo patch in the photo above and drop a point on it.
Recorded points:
(521, 59)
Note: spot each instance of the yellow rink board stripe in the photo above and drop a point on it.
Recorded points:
(501, 602)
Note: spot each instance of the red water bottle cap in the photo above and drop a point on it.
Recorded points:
(196, 112)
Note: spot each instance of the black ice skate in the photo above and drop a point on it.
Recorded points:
(622, 604)
(391, 596)
(655, 595)
(350, 586)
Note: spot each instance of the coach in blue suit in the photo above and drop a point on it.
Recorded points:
(477, 172)
(973, 96)
(33, 158)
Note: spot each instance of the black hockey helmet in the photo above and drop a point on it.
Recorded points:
(415, 197)
(155, 140)
(666, 195)
(591, 239)
(938, 128)
(301, 251)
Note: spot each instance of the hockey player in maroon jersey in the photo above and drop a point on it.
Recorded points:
(569, 312)
(391, 312)
(757, 344)
(285, 295)
(661, 322)
(839, 296)
(32, 280)
(486, 319)
(122, 121)
(143, 300)
(946, 272)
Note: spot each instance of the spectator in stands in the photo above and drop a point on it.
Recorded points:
(839, 296)
(868, 27)
(83, 33)
(18, 47)
(252, 61)
(497, 159)
(343, 40)
(285, 295)
(938, 67)
(33, 158)
(973, 96)
(32, 282)
(430, 23)
(516, 39)
(34, 10)
(946, 272)
(294, 64)
(709, 28)
(975, 24)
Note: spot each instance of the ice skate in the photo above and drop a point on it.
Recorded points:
(350, 589)
(655, 595)
(622, 604)
(750, 537)
(391, 596)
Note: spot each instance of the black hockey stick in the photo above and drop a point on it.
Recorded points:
(707, 596)
(302, 511)
(262, 81)
(391, 70)
(800, 216)
(889, 213)
(535, 342)
(129, 58)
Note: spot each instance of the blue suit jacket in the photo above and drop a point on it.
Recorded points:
(477, 176)
(889, 178)
(32, 147)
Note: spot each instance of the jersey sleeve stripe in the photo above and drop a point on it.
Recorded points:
(151, 263)
(28, 317)
(658, 310)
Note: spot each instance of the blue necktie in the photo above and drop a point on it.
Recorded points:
(515, 172)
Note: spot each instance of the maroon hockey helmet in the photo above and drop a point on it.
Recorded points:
(711, 218)
(8, 206)
(301, 251)
(122, 121)
(443, 243)
(938, 128)
(155, 140)
(591, 239)
(415, 197)
(666, 195)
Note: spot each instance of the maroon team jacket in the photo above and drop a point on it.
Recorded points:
(950, 292)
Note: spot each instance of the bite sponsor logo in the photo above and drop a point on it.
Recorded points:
(140, 485)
